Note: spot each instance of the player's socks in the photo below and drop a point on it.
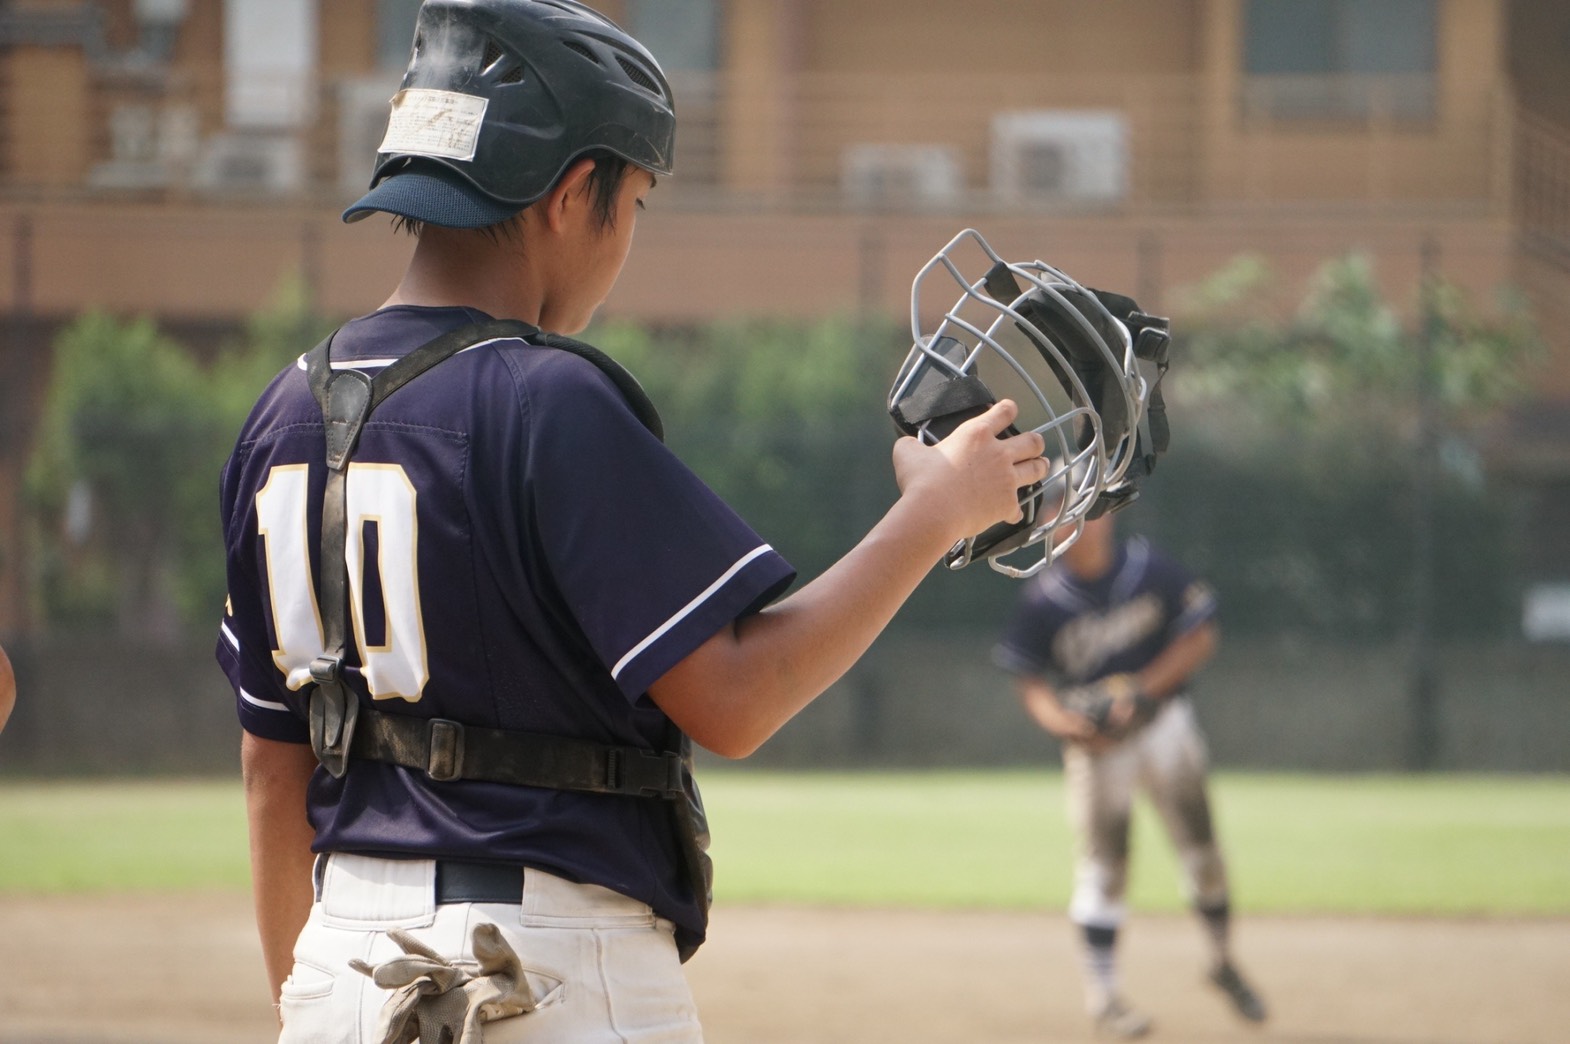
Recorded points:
(1218, 928)
(1101, 972)
(1223, 973)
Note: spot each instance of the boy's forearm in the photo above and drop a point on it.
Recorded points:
(1172, 668)
(820, 632)
(751, 678)
(1040, 701)
(276, 776)
(735, 690)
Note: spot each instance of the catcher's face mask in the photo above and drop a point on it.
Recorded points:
(1083, 365)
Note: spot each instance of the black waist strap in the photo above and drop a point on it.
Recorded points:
(448, 751)
(459, 881)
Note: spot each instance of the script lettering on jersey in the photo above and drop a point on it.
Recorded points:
(381, 501)
(1086, 642)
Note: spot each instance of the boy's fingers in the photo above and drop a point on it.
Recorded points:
(1032, 469)
(1029, 447)
(998, 416)
(1001, 415)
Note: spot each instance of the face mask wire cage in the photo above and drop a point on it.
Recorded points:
(992, 333)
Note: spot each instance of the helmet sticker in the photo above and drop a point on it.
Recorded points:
(442, 124)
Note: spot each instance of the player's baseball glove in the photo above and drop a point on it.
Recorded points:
(1097, 701)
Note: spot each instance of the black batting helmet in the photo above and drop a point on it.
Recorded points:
(500, 97)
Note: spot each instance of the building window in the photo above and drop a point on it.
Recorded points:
(395, 31)
(269, 63)
(683, 35)
(1340, 60)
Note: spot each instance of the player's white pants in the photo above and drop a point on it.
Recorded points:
(620, 978)
(1168, 759)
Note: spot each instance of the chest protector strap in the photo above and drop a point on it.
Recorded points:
(347, 398)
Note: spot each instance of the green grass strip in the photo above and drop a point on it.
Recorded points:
(1295, 844)
(1388, 845)
(111, 836)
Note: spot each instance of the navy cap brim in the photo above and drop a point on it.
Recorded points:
(432, 195)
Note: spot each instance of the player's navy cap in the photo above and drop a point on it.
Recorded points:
(433, 194)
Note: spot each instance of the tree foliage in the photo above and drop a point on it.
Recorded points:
(1344, 364)
(122, 482)
(785, 420)
(1289, 483)
(1297, 442)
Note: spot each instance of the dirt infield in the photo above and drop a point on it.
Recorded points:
(176, 970)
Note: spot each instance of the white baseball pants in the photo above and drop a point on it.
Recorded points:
(1169, 760)
(605, 963)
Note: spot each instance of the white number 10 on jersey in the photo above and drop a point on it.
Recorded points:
(380, 497)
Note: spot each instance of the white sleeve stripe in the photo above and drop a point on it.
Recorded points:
(1014, 661)
(375, 364)
(263, 704)
(1192, 618)
(688, 609)
(229, 636)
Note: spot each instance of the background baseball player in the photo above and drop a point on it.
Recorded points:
(494, 606)
(1102, 646)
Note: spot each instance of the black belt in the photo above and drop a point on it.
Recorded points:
(460, 881)
(463, 882)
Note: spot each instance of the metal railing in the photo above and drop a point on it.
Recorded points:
(897, 142)
(1542, 189)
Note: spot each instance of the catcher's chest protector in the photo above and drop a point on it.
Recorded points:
(341, 730)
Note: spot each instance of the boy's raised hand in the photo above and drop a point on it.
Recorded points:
(971, 479)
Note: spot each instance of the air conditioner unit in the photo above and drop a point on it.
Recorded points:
(149, 146)
(900, 176)
(133, 133)
(251, 164)
(1060, 156)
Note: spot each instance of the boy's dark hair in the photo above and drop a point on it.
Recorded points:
(605, 180)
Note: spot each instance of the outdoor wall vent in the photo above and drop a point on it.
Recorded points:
(1059, 156)
(900, 176)
(251, 165)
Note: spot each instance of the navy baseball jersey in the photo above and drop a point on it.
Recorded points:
(522, 554)
(1076, 631)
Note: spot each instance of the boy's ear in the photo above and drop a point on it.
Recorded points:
(570, 190)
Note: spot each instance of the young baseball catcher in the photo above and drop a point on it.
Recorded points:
(1102, 646)
(478, 611)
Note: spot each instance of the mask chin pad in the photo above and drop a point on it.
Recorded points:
(1068, 321)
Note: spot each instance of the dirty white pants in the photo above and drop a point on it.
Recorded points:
(606, 965)
(1168, 759)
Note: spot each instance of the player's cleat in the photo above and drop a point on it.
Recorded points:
(1117, 1021)
(1226, 979)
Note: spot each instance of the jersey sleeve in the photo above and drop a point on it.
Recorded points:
(1189, 601)
(244, 648)
(650, 562)
(1025, 647)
